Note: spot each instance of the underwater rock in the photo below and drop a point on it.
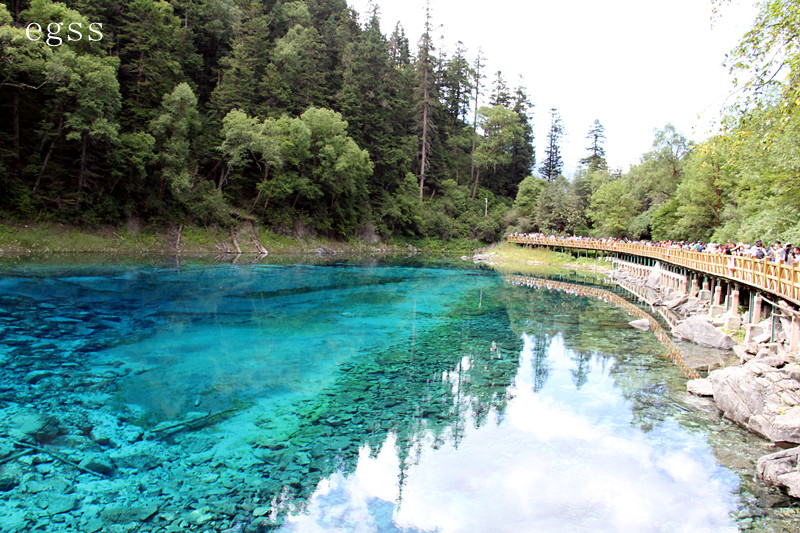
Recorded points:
(124, 514)
(700, 331)
(109, 431)
(781, 469)
(6, 448)
(36, 376)
(141, 456)
(8, 482)
(55, 503)
(642, 324)
(199, 516)
(98, 463)
(13, 521)
(43, 428)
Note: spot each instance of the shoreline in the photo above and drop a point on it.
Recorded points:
(19, 239)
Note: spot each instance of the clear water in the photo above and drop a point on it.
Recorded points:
(352, 397)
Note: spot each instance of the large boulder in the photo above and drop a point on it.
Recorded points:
(781, 469)
(700, 387)
(700, 331)
(42, 427)
(654, 279)
(642, 324)
(761, 398)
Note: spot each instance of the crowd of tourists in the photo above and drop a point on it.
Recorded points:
(786, 253)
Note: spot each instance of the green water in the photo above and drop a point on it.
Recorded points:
(371, 396)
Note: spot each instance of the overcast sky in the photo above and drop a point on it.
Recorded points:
(635, 65)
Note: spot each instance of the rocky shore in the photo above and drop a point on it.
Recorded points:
(756, 385)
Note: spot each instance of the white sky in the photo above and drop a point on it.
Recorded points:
(635, 65)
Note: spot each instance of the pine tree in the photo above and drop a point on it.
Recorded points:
(596, 160)
(553, 164)
(427, 97)
(500, 94)
(478, 73)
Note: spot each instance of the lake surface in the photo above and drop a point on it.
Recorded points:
(390, 396)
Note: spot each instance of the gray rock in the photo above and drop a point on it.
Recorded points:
(760, 339)
(769, 359)
(125, 514)
(676, 301)
(781, 469)
(690, 307)
(13, 521)
(55, 503)
(6, 448)
(654, 279)
(741, 352)
(98, 463)
(786, 427)
(704, 359)
(760, 398)
(143, 455)
(107, 430)
(700, 387)
(793, 371)
(700, 331)
(8, 482)
(642, 324)
(37, 375)
(43, 428)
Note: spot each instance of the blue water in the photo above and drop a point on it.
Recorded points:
(350, 397)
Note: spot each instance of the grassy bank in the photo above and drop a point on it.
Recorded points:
(131, 239)
(511, 258)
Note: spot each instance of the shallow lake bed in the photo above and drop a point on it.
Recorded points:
(351, 396)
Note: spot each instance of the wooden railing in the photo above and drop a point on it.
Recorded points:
(775, 278)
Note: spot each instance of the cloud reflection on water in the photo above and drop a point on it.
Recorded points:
(557, 460)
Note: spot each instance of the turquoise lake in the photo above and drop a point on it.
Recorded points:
(393, 395)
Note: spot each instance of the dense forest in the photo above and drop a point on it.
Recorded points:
(295, 116)
(288, 114)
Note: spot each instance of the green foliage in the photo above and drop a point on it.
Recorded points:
(768, 58)
(288, 113)
(174, 126)
(529, 191)
(611, 208)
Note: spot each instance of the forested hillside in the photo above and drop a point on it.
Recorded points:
(288, 114)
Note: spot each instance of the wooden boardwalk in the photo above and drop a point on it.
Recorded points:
(775, 278)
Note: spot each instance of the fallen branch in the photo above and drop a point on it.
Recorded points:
(55, 455)
(194, 423)
(14, 456)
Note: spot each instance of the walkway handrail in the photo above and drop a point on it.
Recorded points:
(775, 278)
